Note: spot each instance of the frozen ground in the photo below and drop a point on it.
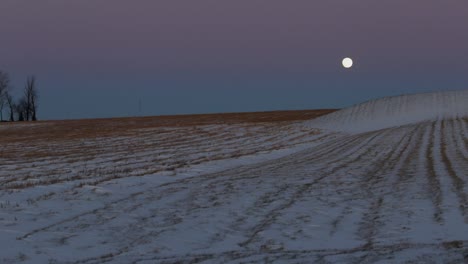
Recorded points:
(396, 111)
(241, 193)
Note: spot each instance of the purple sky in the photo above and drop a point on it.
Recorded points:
(99, 58)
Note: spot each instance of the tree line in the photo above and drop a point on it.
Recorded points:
(23, 109)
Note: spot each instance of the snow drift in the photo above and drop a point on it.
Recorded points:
(395, 111)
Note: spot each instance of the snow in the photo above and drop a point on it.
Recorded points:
(395, 111)
(249, 193)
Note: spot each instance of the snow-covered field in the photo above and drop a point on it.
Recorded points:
(246, 192)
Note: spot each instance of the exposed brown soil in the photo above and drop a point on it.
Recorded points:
(149, 144)
(91, 128)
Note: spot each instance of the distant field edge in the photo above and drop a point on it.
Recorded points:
(229, 117)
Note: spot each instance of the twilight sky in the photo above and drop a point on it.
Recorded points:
(99, 58)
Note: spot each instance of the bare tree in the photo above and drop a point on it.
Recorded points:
(26, 108)
(4, 81)
(11, 106)
(4, 86)
(2, 105)
(30, 95)
(25, 102)
(21, 109)
(34, 97)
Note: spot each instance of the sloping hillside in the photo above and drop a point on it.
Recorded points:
(395, 111)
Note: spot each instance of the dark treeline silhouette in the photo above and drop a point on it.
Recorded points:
(23, 109)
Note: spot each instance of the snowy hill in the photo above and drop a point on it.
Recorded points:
(395, 111)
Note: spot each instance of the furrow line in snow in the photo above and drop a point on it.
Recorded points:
(458, 138)
(457, 182)
(406, 170)
(463, 135)
(60, 177)
(385, 176)
(332, 152)
(270, 217)
(435, 191)
(227, 173)
(314, 255)
(77, 216)
(276, 195)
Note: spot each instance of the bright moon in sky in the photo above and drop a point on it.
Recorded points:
(347, 63)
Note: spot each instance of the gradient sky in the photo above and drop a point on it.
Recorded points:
(99, 58)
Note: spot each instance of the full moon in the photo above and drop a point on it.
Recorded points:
(347, 63)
